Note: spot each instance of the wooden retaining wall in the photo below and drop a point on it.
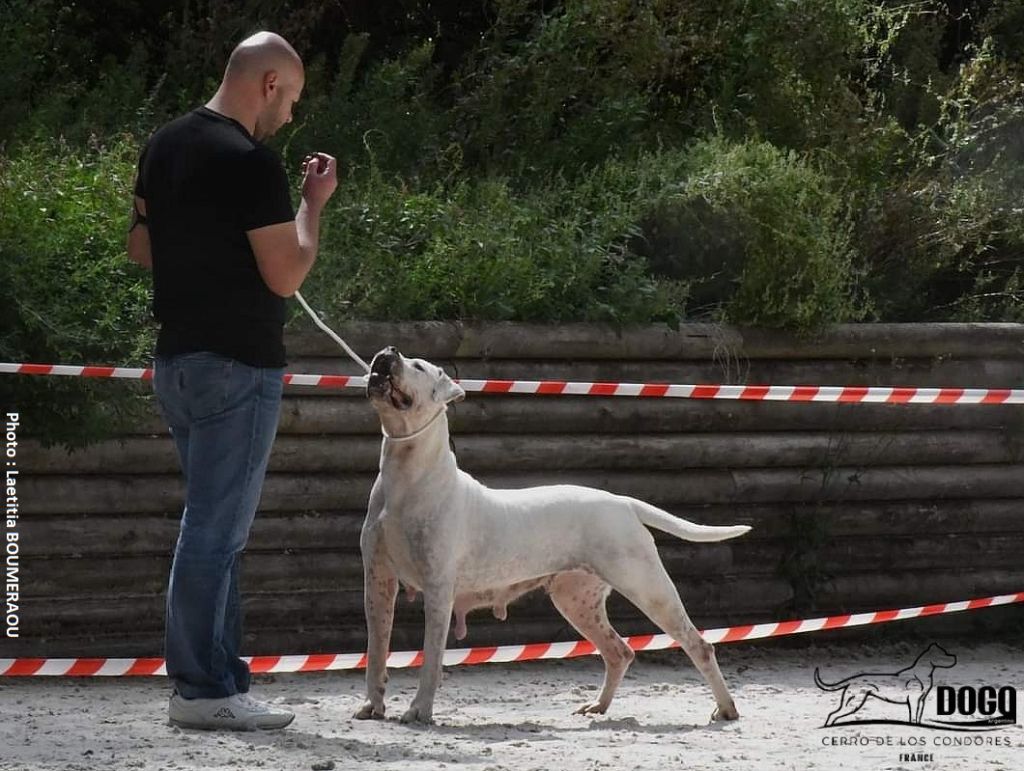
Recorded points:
(853, 507)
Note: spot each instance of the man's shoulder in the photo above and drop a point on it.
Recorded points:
(261, 155)
(196, 127)
(176, 125)
(261, 164)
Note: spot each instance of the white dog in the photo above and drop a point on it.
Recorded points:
(437, 530)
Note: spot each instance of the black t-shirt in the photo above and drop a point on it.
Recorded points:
(206, 181)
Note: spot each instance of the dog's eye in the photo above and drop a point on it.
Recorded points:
(418, 366)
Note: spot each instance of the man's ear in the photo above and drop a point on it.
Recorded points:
(270, 82)
(447, 390)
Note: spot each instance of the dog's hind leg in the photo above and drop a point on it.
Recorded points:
(642, 579)
(850, 701)
(580, 597)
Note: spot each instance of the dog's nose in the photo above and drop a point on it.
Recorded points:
(386, 362)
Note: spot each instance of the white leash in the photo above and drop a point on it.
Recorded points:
(418, 431)
(331, 333)
(366, 368)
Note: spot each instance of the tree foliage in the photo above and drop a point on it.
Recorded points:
(787, 164)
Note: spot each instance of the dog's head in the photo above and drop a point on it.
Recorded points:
(939, 657)
(409, 388)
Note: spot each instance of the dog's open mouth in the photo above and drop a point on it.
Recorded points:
(380, 383)
(399, 399)
(383, 386)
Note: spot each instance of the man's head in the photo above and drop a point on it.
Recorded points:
(266, 74)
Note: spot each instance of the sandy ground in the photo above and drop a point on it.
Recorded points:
(519, 716)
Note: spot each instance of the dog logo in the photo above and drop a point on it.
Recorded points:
(987, 707)
(908, 687)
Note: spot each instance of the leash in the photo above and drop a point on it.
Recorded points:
(418, 431)
(331, 333)
(366, 367)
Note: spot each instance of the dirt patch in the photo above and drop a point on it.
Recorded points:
(519, 716)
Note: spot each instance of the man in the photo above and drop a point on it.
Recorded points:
(214, 222)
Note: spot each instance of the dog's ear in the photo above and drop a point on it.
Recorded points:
(447, 390)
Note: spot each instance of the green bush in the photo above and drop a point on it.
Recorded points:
(71, 295)
(978, 206)
(560, 98)
(477, 250)
(760, 233)
(941, 232)
(780, 164)
(623, 242)
(388, 119)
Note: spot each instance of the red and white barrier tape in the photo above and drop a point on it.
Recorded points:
(800, 393)
(319, 662)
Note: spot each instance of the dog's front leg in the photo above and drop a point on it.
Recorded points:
(438, 600)
(917, 706)
(380, 587)
(379, 596)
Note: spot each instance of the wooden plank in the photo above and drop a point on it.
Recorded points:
(690, 341)
(897, 588)
(893, 494)
(290, 623)
(954, 373)
(347, 412)
(85, 535)
(308, 570)
(322, 570)
(989, 624)
(537, 452)
(488, 414)
(60, 494)
(340, 607)
(88, 535)
(855, 555)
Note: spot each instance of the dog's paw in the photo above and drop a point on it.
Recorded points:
(418, 715)
(369, 712)
(591, 709)
(724, 713)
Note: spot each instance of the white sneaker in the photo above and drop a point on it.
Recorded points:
(240, 712)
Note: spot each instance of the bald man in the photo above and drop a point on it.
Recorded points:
(213, 220)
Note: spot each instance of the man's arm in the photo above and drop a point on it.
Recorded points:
(139, 250)
(285, 252)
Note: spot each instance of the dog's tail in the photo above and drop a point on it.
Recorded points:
(682, 528)
(827, 686)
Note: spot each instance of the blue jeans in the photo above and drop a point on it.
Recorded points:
(223, 416)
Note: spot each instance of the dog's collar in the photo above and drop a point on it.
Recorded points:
(418, 431)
